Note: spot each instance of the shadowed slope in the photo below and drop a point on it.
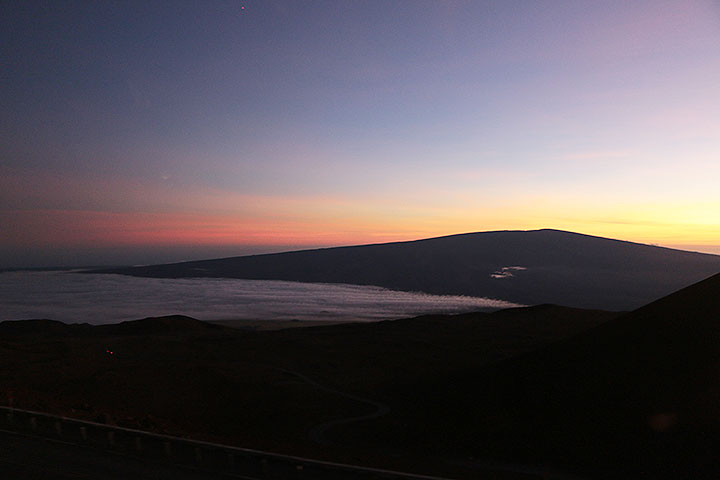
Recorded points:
(638, 393)
(558, 267)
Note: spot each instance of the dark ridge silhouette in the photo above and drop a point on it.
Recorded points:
(166, 324)
(150, 325)
(638, 393)
(37, 327)
(558, 267)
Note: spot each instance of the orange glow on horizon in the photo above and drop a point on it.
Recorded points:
(108, 229)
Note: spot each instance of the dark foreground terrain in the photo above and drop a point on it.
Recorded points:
(292, 391)
(562, 268)
(30, 457)
(598, 394)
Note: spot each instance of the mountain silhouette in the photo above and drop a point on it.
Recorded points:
(526, 267)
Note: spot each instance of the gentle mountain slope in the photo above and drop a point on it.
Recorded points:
(560, 268)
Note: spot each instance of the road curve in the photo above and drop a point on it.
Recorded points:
(318, 432)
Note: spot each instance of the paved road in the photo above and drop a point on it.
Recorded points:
(31, 458)
(318, 433)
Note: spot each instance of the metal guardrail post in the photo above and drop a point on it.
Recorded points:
(33, 423)
(138, 444)
(198, 455)
(111, 438)
(58, 428)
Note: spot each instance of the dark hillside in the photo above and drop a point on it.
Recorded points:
(640, 393)
(269, 389)
(558, 267)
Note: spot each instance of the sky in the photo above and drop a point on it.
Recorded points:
(152, 131)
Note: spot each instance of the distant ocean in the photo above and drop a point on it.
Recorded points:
(73, 297)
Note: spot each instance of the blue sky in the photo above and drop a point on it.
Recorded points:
(132, 128)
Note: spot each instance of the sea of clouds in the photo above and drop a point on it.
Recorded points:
(95, 298)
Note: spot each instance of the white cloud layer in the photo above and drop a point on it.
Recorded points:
(99, 299)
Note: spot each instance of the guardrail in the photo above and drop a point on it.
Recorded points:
(182, 451)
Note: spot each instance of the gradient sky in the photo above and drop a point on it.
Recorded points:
(146, 131)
